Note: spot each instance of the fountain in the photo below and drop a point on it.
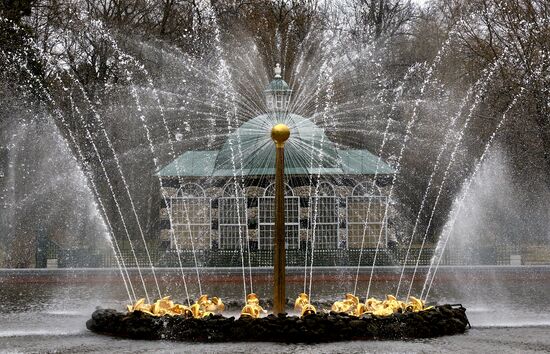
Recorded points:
(348, 319)
(217, 208)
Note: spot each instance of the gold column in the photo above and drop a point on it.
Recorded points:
(279, 134)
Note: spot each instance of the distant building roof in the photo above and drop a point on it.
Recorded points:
(250, 149)
(278, 85)
(191, 163)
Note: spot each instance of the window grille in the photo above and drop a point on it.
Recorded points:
(357, 222)
(191, 218)
(280, 101)
(232, 220)
(324, 217)
(266, 219)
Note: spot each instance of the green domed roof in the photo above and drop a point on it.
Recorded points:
(307, 151)
(278, 84)
(250, 151)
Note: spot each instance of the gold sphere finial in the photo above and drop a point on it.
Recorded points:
(279, 134)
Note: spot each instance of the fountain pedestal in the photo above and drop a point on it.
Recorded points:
(314, 328)
(279, 134)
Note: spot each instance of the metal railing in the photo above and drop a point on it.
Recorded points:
(486, 255)
(232, 258)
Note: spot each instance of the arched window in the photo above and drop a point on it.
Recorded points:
(266, 218)
(232, 219)
(232, 190)
(323, 207)
(191, 218)
(270, 190)
(366, 221)
(190, 190)
(361, 190)
(325, 189)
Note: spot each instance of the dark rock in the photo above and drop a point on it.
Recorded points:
(314, 328)
(357, 324)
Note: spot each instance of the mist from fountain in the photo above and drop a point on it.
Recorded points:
(126, 57)
(447, 231)
(480, 87)
(406, 137)
(122, 267)
(229, 96)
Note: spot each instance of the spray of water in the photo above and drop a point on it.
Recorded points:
(124, 57)
(122, 267)
(478, 97)
(442, 244)
(225, 78)
(479, 86)
(398, 95)
(406, 137)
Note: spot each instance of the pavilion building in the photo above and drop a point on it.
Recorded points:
(217, 199)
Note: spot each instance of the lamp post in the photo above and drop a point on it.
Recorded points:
(279, 134)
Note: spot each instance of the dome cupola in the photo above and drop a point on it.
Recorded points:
(277, 93)
(250, 148)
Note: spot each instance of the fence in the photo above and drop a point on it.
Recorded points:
(481, 255)
(233, 258)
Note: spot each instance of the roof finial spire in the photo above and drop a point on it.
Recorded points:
(277, 71)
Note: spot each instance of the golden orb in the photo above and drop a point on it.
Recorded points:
(280, 133)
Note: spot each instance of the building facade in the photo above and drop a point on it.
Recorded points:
(224, 199)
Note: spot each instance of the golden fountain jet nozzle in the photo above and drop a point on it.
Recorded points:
(202, 308)
(301, 301)
(216, 305)
(205, 306)
(308, 309)
(349, 305)
(302, 304)
(252, 307)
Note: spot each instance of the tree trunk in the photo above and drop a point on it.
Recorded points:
(543, 123)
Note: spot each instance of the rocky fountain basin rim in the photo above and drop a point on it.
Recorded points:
(323, 327)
